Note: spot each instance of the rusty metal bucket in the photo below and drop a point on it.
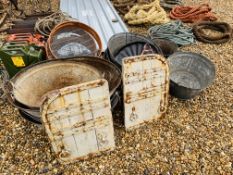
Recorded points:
(28, 87)
(73, 38)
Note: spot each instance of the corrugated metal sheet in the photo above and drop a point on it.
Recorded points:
(78, 120)
(99, 14)
(146, 85)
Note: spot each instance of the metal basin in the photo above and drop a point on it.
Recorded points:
(30, 85)
(190, 73)
(107, 70)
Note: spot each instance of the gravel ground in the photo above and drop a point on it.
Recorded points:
(194, 137)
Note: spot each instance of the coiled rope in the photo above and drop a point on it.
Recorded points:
(123, 6)
(173, 31)
(46, 24)
(151, 13)
(224, 28)
(193, 14)
(169, 4)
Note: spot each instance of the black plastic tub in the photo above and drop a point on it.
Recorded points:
(134, 49)
(190, 73)
(121, 40)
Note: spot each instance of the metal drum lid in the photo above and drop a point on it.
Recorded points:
(82, 124)
(146, 86)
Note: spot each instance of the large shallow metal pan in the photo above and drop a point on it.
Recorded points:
(190, 73)
(55, 74)
(35, 81)
(107, 70)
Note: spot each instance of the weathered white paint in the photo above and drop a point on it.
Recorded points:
(78, 120)
(146, 86)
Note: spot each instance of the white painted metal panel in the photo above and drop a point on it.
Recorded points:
(99, 14)
(78, 120)
(146, 86)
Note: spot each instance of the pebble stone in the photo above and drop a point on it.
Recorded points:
(194, 137)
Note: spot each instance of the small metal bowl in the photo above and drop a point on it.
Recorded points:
(190, 73)
(167, 47)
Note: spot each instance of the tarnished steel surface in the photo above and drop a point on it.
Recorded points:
(33, 82)
(78, 120)
(146, 86)
(190, 74)
(108, 70)
(99, 14)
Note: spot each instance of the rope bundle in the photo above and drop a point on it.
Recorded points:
(169, 4)
(173, 31)
(151, 13)
(45, 25)
(192, 14)
(123, 6)
(224, 28)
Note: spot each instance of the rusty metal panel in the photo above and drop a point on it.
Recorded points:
(78, 120)
(146, 86)
(99, 14)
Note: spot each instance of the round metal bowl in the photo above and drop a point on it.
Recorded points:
(35, 81)
(167, 47)
(30, 85)
(190, 73)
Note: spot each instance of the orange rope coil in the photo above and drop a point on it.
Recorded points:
(191, 14)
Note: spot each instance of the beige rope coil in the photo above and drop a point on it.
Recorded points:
(151, 13)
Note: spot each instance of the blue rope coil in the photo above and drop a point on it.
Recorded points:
(174, 31)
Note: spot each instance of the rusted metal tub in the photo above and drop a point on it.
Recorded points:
(27, 88)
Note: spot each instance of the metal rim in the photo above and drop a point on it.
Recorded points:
(200, 57)
(80, 25)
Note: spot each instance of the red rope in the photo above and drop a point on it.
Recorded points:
(192, 14)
